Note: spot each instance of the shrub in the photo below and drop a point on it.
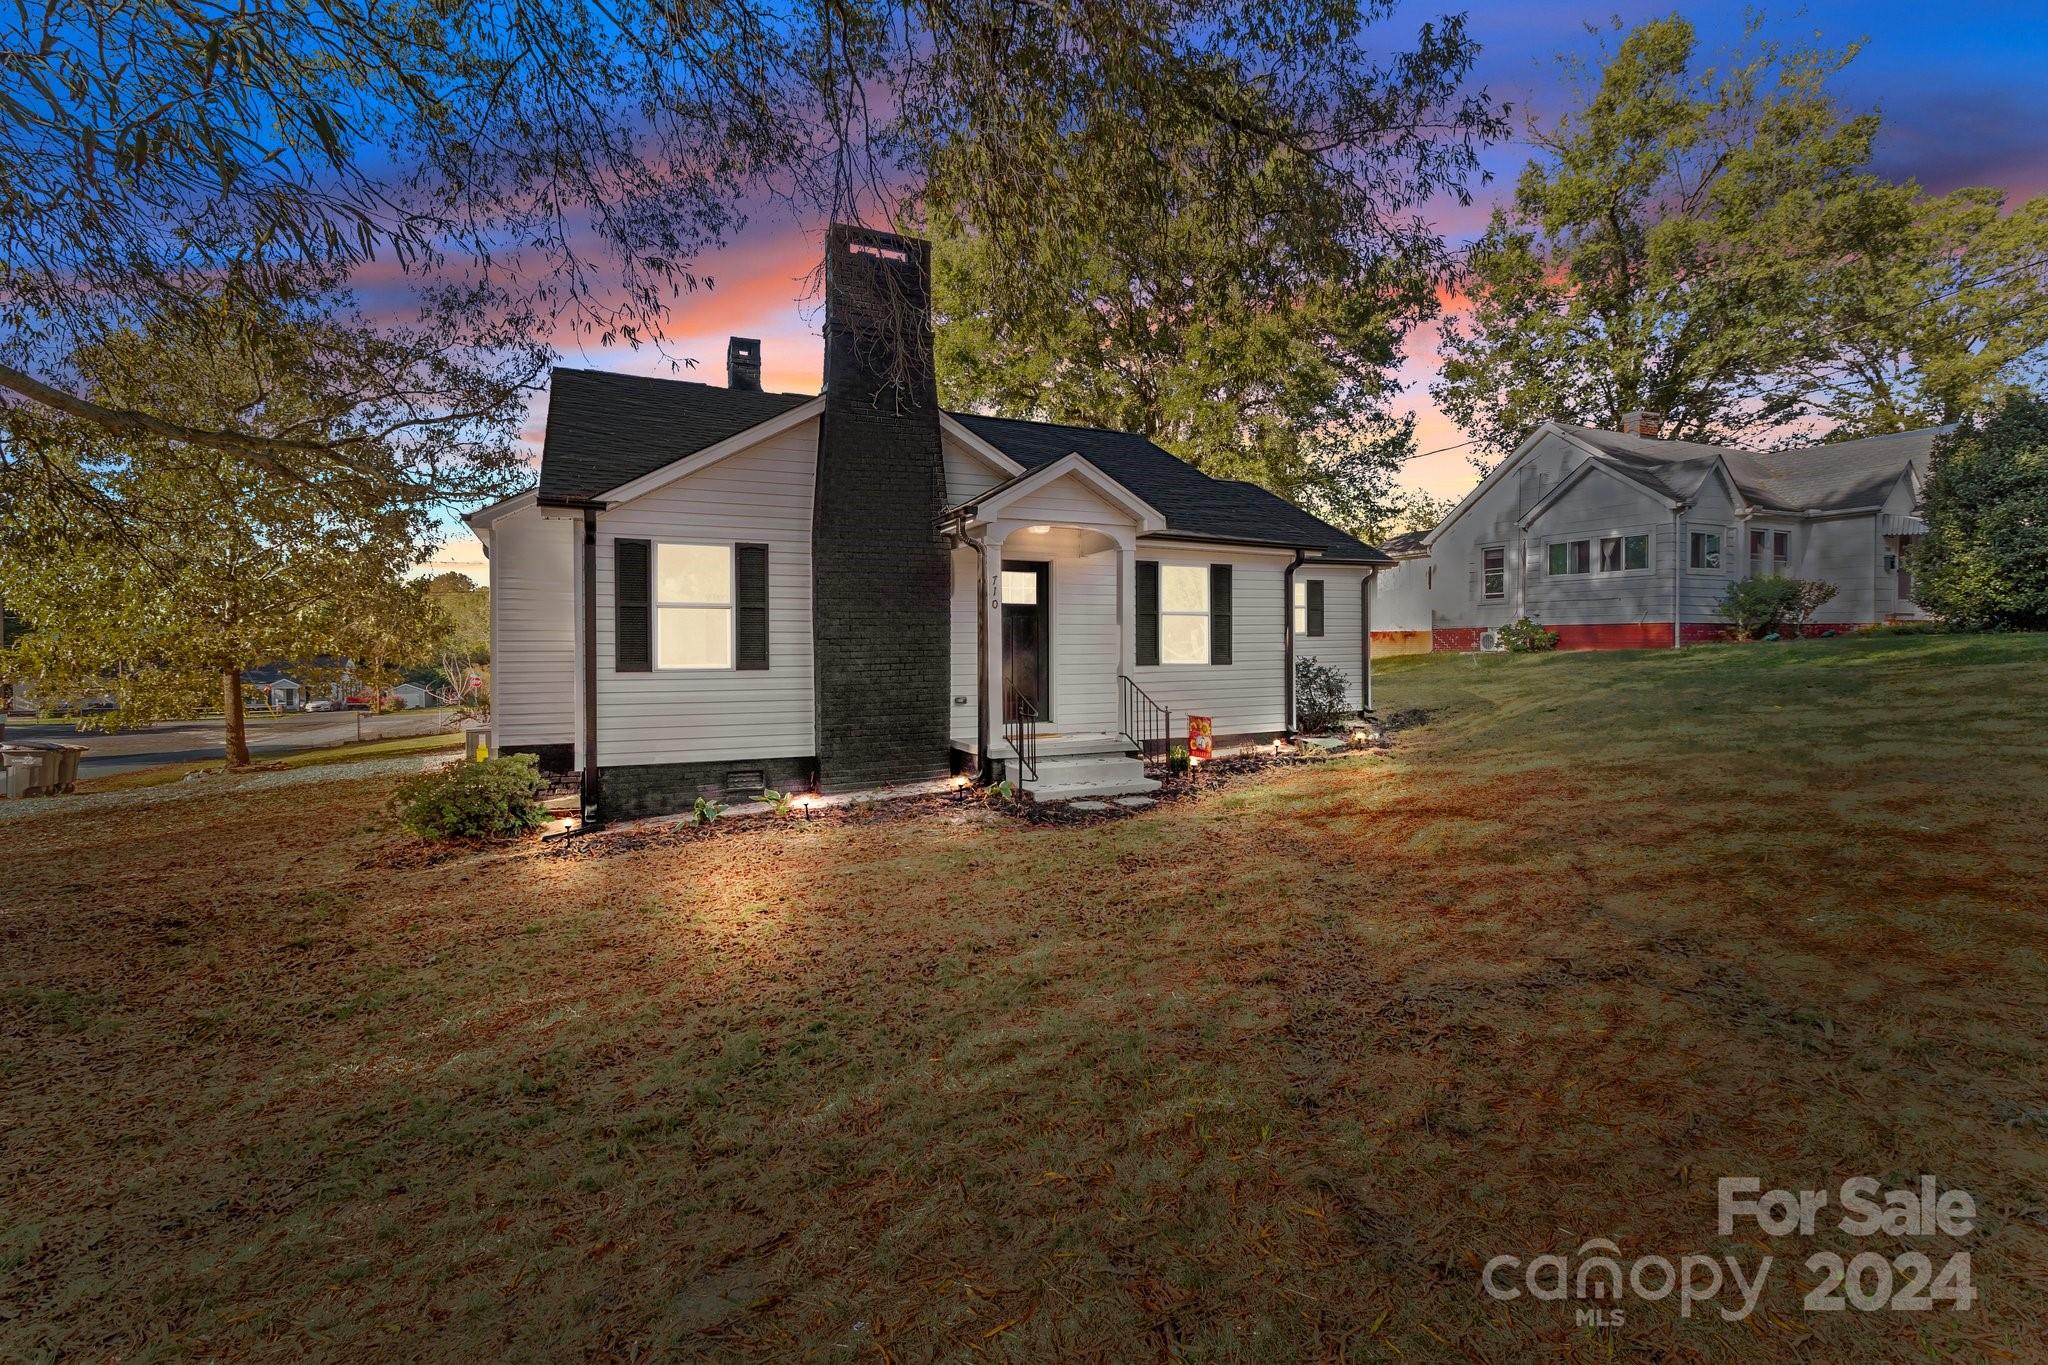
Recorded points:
(1755, 607)
(1985, 559)
(705, 811)
(1526, 637)
(1318, 694)
(470, 800)
(1177, 759)
(782, 802)
(1813, 595)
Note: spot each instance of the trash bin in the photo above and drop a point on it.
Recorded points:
(476, 742)
(69, 756)
(21, 769)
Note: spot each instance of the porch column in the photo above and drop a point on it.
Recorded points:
(1126, 603)
(993, 696)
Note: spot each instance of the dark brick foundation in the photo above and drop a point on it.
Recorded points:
(643, 789)
(555, 759)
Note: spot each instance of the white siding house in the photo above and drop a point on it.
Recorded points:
(716, 590)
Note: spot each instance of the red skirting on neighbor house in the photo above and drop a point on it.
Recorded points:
(1636, 635)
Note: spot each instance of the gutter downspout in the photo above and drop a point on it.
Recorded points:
(1677, 578)
(1287, 654)
(591, 818)
(1366, 589)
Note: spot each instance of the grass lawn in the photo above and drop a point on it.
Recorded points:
(303, 758)
(1268, 1076)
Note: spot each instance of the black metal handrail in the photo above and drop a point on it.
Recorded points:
(1020, 728)
(1145, 723)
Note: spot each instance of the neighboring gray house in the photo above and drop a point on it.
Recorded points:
(717, 589)
(1622, 540)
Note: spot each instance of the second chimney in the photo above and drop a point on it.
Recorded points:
(1640, 423)
(743, 363)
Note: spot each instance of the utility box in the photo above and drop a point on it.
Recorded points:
(476, 743)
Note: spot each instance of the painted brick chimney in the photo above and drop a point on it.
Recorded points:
(1640, 423)
(881, 573)
(743, 363)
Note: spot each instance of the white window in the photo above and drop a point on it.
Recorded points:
(1301, 606)
(1493, 571)
(693, 616)
(1020, 588)
(1183, 613)
(1706, 550)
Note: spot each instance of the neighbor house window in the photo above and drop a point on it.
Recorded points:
(1493, 572)
(1769, 552)
(1706, 550)
(692, 606)
(1635, 552)
(1572, 556)
(1610, 554)
(1184, 613)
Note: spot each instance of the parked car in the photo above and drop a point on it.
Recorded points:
(323, 704)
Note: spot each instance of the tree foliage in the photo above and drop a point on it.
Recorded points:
(1709, 243)
(158, 577)
(1231, 274)
(1984, 561)
(525, 166)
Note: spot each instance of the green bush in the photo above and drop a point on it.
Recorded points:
(1526, 637)
(1177, 759)
(1755, 607)
(1984, 562)
(471, 800)
(1318, 694)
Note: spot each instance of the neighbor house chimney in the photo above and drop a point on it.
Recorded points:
(743, 363)
(1640, 423)
(881, 573)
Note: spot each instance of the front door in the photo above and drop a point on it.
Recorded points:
(1027, 635)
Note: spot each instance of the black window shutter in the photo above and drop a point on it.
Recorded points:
(1315, 606)
(750, 594)
(1148, 612)
(632, 606)
(1219, 613)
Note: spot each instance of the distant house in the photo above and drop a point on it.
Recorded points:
(716, 589)
(279, 689)
(1400, 602)
(412, 696)
(1623, 540)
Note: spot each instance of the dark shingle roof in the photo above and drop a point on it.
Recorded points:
(1192, 503)
(1818, 478)
(608, 429)
(1405, 545)
(605, 430)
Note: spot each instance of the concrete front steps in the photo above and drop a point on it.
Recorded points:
(1071, 767)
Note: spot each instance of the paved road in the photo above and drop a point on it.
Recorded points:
(191, 740)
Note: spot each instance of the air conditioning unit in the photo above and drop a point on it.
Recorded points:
(1489, 641)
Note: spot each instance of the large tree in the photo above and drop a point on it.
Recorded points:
(160, 578)
(1182, 272)
(551, 163)
(1985, 559)
(1709, 243)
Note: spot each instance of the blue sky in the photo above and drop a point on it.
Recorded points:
(1962, 87)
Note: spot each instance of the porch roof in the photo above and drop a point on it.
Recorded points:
(1195, 506)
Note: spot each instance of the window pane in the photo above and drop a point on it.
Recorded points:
(1713, 552)
(1557, 558)
(1183, 587)
(693, 573)
(1020, 588)
(1610, 554)
(1582, 556)
(1638, 556)
(1184, 639)
(693, 637)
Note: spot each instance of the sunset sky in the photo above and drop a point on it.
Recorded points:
(1960, 86)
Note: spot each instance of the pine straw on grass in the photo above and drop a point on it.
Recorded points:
(1263, 1076)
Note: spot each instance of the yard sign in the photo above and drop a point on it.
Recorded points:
(1201, 738)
